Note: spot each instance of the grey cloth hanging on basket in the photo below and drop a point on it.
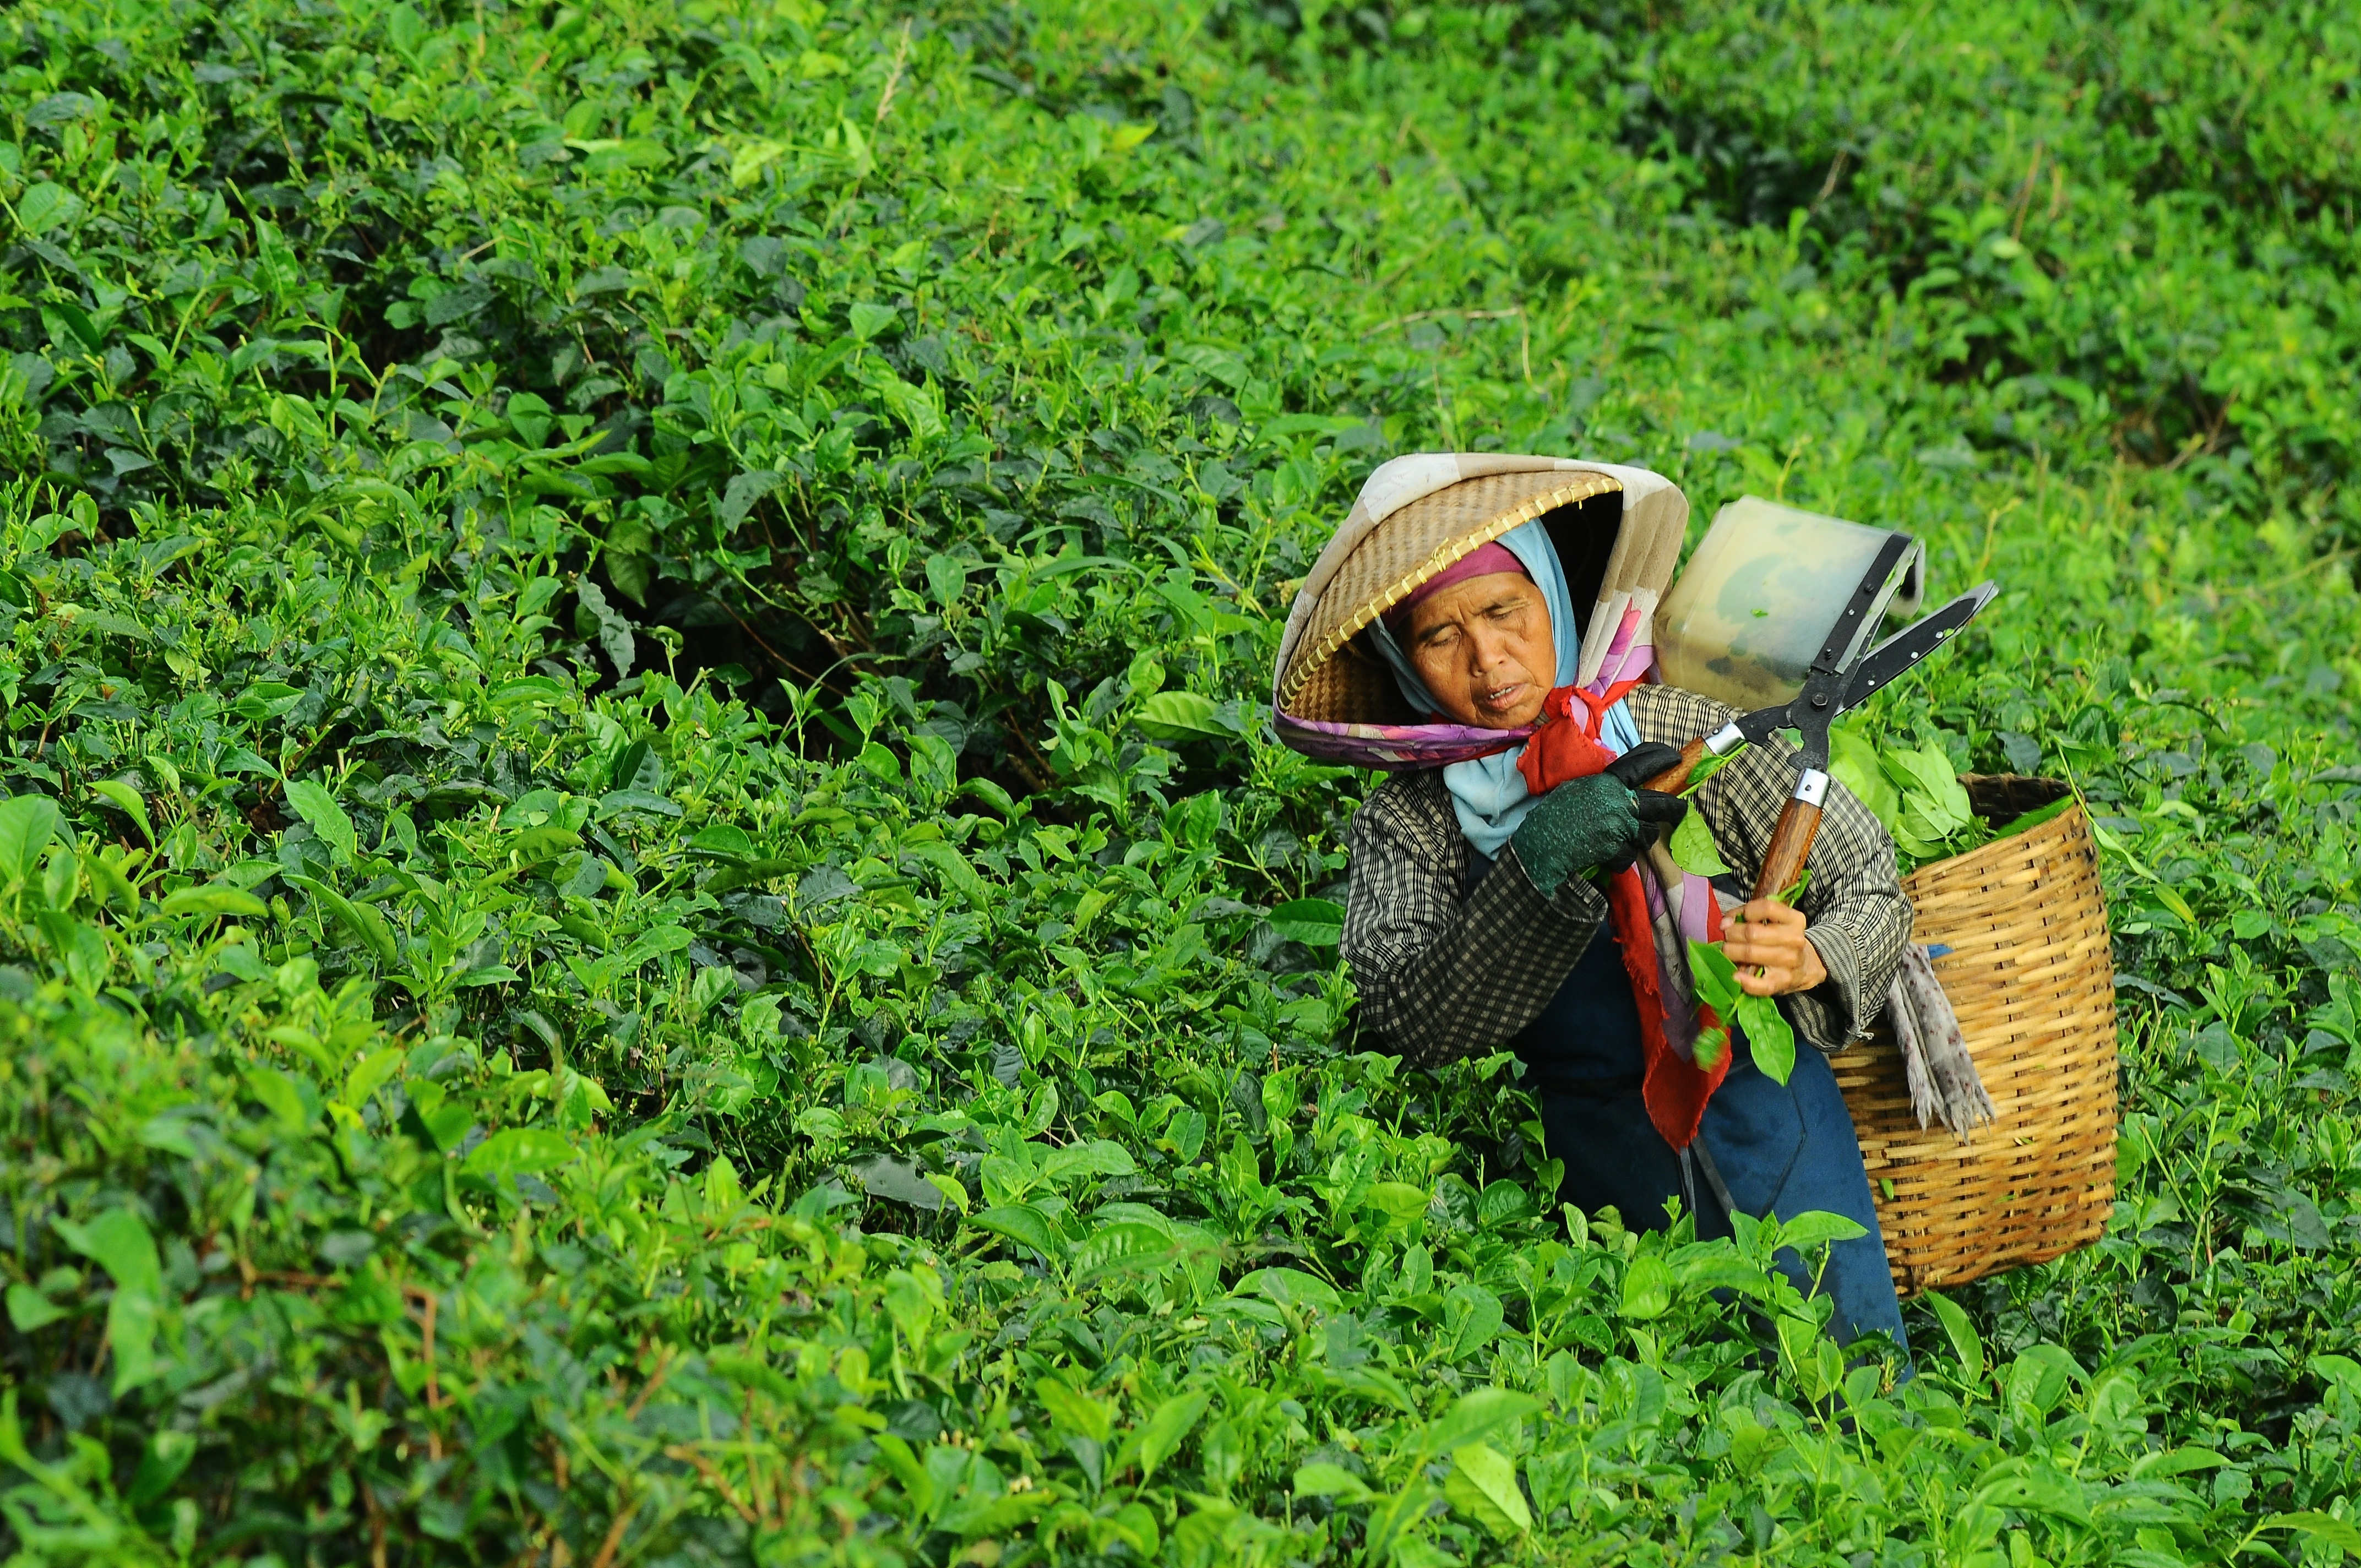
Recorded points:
(1935, 1060)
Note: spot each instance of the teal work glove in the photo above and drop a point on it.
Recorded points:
(1604, 820)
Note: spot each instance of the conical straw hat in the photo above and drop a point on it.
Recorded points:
(1457, 503)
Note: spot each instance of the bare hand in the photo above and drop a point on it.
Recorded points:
(1766, 941)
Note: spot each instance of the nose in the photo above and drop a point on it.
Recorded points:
(1488, 649)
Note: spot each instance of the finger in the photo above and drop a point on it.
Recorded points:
(1765, 983)
(1645, 761)
(1635, 839)
(1755, 958)
(1654, 806)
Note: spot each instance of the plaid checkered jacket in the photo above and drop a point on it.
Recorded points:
(1448, 965)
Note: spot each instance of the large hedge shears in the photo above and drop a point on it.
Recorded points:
(1840, 678)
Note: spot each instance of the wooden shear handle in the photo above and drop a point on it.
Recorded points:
(1790, 842)
(1674, 779)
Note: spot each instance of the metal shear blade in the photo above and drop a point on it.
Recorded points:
(1828, 693)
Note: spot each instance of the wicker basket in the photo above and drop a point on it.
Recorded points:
(2031, 975)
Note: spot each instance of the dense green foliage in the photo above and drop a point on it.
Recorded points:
(648, 917)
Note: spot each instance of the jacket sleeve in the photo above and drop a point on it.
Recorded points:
(1856, 913)
(1442, 975)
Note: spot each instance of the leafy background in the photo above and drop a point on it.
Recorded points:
(649, 916)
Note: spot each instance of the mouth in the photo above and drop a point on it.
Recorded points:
(1501, 698)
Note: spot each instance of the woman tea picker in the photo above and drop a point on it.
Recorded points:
(1481, 624)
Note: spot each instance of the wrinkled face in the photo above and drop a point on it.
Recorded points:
(1483, 648)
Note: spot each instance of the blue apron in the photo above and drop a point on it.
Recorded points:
(1779, 1149)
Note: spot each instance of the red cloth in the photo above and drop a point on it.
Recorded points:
(1566, 746)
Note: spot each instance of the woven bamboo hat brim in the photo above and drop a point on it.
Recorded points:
(1618, 532)
(1406, 549)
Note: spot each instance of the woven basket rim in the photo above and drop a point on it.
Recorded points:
(1557, 489)
(1970, 781)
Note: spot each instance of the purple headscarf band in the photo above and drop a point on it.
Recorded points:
(1484, 561)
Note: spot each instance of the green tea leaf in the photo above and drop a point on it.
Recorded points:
(2314, 1525)
(613, 631)
(1708, 765)
(1472, 1319)
(946, 579)
(109, 885)
(1184, 716)
(30, 1310)
(1815, 1228)
(66, 313)
(266, 700)
(1928, 818)
(2337, 1371)
(1482, 1485)
(1325, 1480)
(2039, 1380)
(1647, 1287)
(1965, 1342)
(1025, 1224)
(517, 1152)
(290, 1098)
(128, 800)
(2033, 1487)
(1945, 786)
(1693, 849)
(528, 689)
(1291, 1286)
(1075, 1412)
(1094, 1156)
(215, 899)
(1852, 762)
(1913, 768)
(169, 1453)
(28, 823)
(119, 1242)
(2028, 820)
(362, 920)
(957, 872)
(1475, 1415)
(1768, 1037)
(1315, 922)
(738, 499)
(1715, 976)
(1159, 1436)
(45, 206)
(369, 1074)
(1400, 1201)
(318, 808)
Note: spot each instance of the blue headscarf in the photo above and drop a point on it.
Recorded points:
(1488, 793)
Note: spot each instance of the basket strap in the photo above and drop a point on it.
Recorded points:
(1712, 1174)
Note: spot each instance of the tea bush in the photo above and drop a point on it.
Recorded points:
(648, 916)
